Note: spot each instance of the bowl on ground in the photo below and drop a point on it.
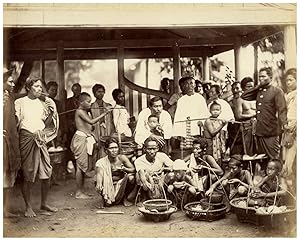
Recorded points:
(161, 205)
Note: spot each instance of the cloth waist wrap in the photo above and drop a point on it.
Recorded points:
(34, 155)
(90, 141)
(82, 148)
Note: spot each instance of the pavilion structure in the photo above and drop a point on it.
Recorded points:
(41, 32)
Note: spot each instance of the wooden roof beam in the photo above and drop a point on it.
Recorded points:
(127, 43)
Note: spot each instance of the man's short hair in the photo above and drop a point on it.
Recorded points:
(183, 80)
(235, 160)
(268, 70)
(217, 88)
(109, 141)
(201, 141)
(96, 87)
(76, 85)
(83, 96)
(115, 93)
(244, 82)
(235, 83)
(154, 99)
(30, 82)
(150, 138)
(51, 84)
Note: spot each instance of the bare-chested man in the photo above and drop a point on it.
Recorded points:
(244, 111)
(83, 141)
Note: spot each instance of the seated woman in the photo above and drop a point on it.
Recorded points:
(270, 186)
(179, 183)
(203, 168)
(115, 175)
(150, 168)
(237, 181)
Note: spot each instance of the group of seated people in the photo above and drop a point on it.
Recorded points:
(155, 175)
(187, 121)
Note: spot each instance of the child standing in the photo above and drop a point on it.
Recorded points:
(214, 133)
(83, 141)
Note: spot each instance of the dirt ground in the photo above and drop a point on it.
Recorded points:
(78, 218)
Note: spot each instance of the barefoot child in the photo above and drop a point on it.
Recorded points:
(236, 181)
(180, 179)
(214, 133)
(83, 141)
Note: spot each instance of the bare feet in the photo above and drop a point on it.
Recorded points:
(10, 215)
(29, 213)
(49, 208)
(127, 203)
(81, 195)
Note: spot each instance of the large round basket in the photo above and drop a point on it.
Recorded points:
(158, 216)
(160, 205)
(244, 214)
(206, 214)
(249, 215)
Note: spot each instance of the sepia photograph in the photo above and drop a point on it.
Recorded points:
(149, 120)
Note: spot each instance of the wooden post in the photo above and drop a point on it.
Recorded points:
(237, 58)
(147, 79)
(60, 70)
(290, 48)
(206, 64)
(255, 74)
(176, 66)
(121, 68)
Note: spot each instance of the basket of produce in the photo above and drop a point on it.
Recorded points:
(159, 205)
(155, 215)
(274, 216)
(271, 216)
(204, 212)
(244, 214)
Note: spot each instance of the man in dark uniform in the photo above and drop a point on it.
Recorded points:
(271, 113)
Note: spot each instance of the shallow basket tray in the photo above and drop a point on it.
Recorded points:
(249, 215)
(204, 215)
(158, 217)
(158, 204)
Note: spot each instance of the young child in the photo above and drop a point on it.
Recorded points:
(214, 134)
(236, 181)
(180, 180)
(203, 167)
(155, 128)
(83, 141)
(272, 182)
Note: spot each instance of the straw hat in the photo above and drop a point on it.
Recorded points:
(179, 165)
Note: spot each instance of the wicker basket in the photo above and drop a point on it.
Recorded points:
(204, 215)
(246, 214)
(158, 216)
(249, 215)
(160, 205)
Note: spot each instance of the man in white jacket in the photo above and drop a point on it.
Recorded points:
(142, 131)
(192, 106)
